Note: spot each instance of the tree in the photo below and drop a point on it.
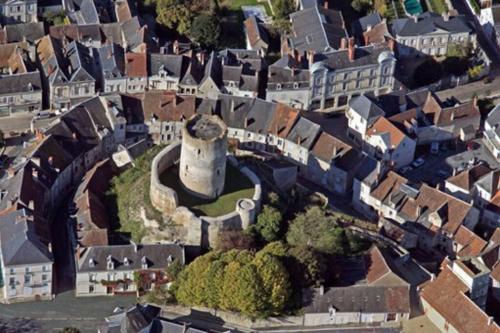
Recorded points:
(275, 280)
(174, 14)
(234, 239)
(205, 30)
(282, 9)
(248, 291)
(316, 230)
(269, 223)
(278, 249)
(174, 269)
(362, 6)
(307, 267)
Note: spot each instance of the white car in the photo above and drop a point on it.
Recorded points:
(418, 162)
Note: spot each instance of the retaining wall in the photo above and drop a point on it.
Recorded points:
(163, 197)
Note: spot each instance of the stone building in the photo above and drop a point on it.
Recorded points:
(203, 156)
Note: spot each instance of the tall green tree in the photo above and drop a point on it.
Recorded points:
(205, 30)
(269, 223)
(275, 280)
(316, 230)
(174, 14)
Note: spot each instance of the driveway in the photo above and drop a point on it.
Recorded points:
(65, 310)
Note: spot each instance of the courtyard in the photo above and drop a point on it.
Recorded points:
(237, 186)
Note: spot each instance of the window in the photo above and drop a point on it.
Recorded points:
(45, 269)
(27, 279)
(12, 281)
(91, 289)
(27, 269)
(12, 271)
(278, 86)
(44, 277)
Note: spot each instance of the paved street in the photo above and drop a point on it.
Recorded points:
(66, 310)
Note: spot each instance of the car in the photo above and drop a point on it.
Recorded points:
(418, 162)
(44, 115)
(405, 169)
(443, 173)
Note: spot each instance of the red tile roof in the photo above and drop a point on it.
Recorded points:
(471, 244)
(136, 64)
(469, 177)
(168, 106)
(284, 118)
(382, 126)
(447, 295)
(328, 146)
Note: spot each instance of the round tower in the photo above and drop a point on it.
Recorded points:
(202, 168)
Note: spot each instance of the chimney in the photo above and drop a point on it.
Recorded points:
(73, 136)
(50, 160)
(475, 100)
(415, 18)
(11, 172)
(176, 47)
(246, 122)
(343, 43)
(321, 290)
(391, 43)
(232, 105)
(202, 58)
(351, 49)
(296, 56)
(325, 4)
(368, 27)
(31, 205)
(366, 39)
(310, 57)
(490, 321)
(49, 247)
(446, 16)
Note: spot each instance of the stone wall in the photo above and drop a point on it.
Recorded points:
(162, 197)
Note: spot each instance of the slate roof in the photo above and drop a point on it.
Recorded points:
(234, 109)
(430, 22)
(490, 182)
(82, 11)
(163, 325)
(112, 61)
(493, 119)
(20, 83)
(364, 299)
(370, 20)
(363, 56)
(167, 106)
(19, 243)
(367, 109)
(132, 320)
(317, 29)
(29, 31)
(173, 64)
(157, 256)
(304, 133)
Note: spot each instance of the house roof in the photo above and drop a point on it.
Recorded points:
(304, 133)
(383, 127)
(24, 31)
(173, 64)
(430, 22)
(168, 106)
(447, 294)
(157, 256)
(317, 29)
(367, 109)
(363, 56)
(19, 83)
(370, 20)
(467, 178)
(379, 271)
(19, 243)
(472, 244)
(255, 33)
(327, 147)
(364, 299)
(283, 120)
(495, 238)
(112, 61)
(136, 64)
(376, 34)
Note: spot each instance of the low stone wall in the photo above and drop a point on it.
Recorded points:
(162, 197)
(202, 230)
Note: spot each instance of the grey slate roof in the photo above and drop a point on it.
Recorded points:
(364, 299)
(369, 20)
(430, 22)
(20, 83)
(363, 56)
(30, 31)
(132, 320)
(234, 109)
(163, 325)
(317, 29)
(173, 64)
(157, 256)
(304, 133)
(363, 106)
(82, 11)
(493, 119)
(112, 61)
(19, 243)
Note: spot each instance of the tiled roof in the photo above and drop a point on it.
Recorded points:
(382, 127)
(471, 243)
(283, 121)
(466, 179)
(254, 31)
(447, 294)
(167, 106)
(327, 147)
(379, 272)
(495, 238)
(136, 64)
(376, 34)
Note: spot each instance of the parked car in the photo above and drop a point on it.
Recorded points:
(418, 162)
(44, 115)
(405, 169)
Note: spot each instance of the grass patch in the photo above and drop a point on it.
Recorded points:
(236, 186)
(129, 191)
(438, 6)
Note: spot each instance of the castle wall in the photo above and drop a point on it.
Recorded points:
(162, 197)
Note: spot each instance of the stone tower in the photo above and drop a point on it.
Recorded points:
(202, 168)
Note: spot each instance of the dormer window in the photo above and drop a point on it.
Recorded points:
(278, 86)
(295, 85)
(126, 262)
(109, 262)
(91, 262)
(170, 259)
(144, 263)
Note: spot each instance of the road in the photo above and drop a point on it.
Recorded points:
(65, 310)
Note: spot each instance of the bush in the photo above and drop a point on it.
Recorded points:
(269, 223)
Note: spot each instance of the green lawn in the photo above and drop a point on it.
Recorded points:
(237, 4)
(438, 6)
(236, 186)
(129, 191)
